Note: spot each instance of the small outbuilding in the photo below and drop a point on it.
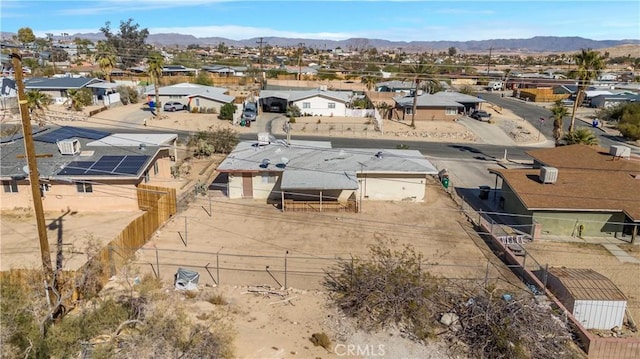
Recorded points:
(592, 298)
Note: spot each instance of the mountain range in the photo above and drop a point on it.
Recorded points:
(533, 45)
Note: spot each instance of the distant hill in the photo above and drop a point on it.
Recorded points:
(538, 44)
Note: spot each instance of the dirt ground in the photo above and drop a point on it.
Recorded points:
(245, 243)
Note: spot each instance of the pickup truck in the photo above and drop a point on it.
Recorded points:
(481, 115)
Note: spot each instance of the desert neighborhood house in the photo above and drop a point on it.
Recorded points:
(575, 190)
(312, 174)
(85, 169)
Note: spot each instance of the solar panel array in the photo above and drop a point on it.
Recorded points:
(66, 132)
(106, 166)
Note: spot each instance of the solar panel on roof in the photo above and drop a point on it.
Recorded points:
(76, 168)
(131, 165)
(66, 132)
(107, 164)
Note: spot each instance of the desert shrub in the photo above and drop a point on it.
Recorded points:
(321, 340)
(216, 299)
(206, 143)
(629, 124)
(226, 111)
(387, 288)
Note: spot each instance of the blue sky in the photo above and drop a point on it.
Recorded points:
(335, 20)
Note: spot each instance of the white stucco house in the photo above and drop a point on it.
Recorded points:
(316, 102)
(313, 175)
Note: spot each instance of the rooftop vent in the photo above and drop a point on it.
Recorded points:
(379, 155)
(620, 151)
(69, 147)
(265, 163)
(548, 174)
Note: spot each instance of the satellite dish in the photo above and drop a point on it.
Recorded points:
(25, 169)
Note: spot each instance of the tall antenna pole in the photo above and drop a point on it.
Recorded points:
(34, 175)
(260, 61)
(489, 62)
(300, 46)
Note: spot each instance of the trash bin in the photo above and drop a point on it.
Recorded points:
(484, 192)
(445, 182)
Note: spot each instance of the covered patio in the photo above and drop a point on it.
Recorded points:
(319, 191)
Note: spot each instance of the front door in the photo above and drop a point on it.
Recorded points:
(247, 185)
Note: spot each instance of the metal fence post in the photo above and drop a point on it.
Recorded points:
(218, 264)
(285, 269)
(158, 261)
(186, 236)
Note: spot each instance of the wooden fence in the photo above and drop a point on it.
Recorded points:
(541, 95)
(159, 204)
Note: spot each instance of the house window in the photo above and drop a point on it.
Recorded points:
(155, 168)
(84, 187)
(268, 177)
(197, 102)
(44, 188)
(146, 176)
(332, 105)
(451, 111)
(408, 110)
(306, 105)
(11, 186)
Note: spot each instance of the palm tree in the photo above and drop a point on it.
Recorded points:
(581, 136)
(37, 102)
(106, 58)
(589, 65)
(418, 72)
(369, 82)
(559, 112)
(156, 64)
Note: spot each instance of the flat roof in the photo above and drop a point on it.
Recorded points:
(135, 139)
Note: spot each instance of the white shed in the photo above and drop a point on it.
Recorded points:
(591, 297)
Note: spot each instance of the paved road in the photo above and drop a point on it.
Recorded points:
(533, 113)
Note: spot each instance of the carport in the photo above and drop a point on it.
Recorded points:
(319, 191)
(274, 104)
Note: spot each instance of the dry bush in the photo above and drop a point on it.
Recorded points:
(321, 340)
(388, 288)
(391, 288)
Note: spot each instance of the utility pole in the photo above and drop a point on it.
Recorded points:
(34, 175)
(260, 61)
(300, 47)
(489, 62)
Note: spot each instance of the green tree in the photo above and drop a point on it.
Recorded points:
(155, 66)
(226, 111)
(629, 124)
(80, 98)
(581, 136)
(452, 51)
(37, 102)
(204, 78)
(589, 65)
(129, 42)
(25, 35)
(105, 57)
(559, 112)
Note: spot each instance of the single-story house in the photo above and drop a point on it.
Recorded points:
(313, 174)
(58, 87)
(469, 102)
(593, 299)
(225, 71)
(606, 101)
(192, 95)
(428, 108)
(316, 102)
(396, 86)
(575, 190)
(85, 169)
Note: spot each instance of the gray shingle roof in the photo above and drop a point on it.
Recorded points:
(42, 83)
(458, 97)
(427, 100)
(186, 89)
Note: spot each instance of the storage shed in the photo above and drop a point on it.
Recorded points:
(591, 297)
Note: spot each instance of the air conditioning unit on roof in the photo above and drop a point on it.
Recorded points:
(620, 151)
(548, 174)
(69, 147)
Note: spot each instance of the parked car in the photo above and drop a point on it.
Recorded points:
(481, 115)
(174, 106)
(249, 114)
